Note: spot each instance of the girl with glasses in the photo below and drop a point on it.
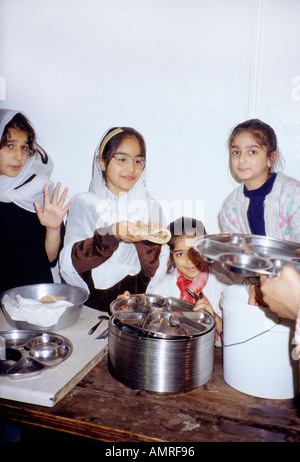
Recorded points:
(31, 210)
(103, 252)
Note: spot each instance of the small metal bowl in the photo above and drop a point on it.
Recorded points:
(246, 264)
(139, 303)
(154, 302)
(72, 294)
(210, 247)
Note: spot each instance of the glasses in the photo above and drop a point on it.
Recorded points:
(124, 161)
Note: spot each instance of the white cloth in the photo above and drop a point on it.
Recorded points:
(165, 284)
(25, 196)
(33, 311)
(100, 208)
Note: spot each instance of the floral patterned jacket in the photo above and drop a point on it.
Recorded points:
(281, 210)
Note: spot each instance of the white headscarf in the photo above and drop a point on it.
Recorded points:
(26, 195)
(100, 208)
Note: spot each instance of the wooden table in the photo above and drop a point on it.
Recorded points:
(102, 408)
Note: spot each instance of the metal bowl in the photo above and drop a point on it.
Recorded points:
(211, 246)
(272, 248)
(247, 264)
(72, 294)
(154, 302)
(176, 304)
(139, 303)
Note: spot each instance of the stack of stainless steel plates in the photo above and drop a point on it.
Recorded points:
(160, 344)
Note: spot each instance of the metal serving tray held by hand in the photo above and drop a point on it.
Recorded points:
(248, 254)
(28, 353)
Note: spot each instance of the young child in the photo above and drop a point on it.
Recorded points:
(266, 203)
(32, 226)
(103, 252)
(187, 270)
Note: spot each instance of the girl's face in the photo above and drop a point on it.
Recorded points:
(14, 153)
(186, 259)
(125, 167)
(250, 161)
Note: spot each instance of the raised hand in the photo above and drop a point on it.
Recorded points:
(53, 211)
(51, 216)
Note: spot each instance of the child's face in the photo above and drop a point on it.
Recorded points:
(14, 153)
(121, 178)
(250, 161)
(186, 259)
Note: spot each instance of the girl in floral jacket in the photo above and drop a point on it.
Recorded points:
(266, 202)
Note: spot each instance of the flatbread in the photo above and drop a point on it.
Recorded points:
(152, 234)
(51, 299)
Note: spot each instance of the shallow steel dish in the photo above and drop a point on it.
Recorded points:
(160, 316)
(211, 246)
(72, 294)
(173, 325)
(30, 352)
(217, 247)
(165, 324)
(138, 303)
(147, 303)
(279, 263)
(247, 264)
(272, 248)
(176, 304)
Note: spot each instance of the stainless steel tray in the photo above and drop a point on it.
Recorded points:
(160, 317)
(248, 254)
(139, 303)
(30, 352)
(148, 303)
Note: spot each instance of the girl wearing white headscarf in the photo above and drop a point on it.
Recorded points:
(102, 252)
(31, 222)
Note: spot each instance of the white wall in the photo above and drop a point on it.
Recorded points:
(182, 72)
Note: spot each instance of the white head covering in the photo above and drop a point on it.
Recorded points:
(100, 208)
(11, 189)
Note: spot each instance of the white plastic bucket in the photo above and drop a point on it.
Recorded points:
(258, 356)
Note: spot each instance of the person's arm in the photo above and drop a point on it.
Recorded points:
(282, 293)
(149, 257)
(51, 216)
(92, 252)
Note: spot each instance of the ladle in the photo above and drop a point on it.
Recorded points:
(101, 318)
(194, 295)
(175, 322)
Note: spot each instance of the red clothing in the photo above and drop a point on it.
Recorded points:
(197, 285)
